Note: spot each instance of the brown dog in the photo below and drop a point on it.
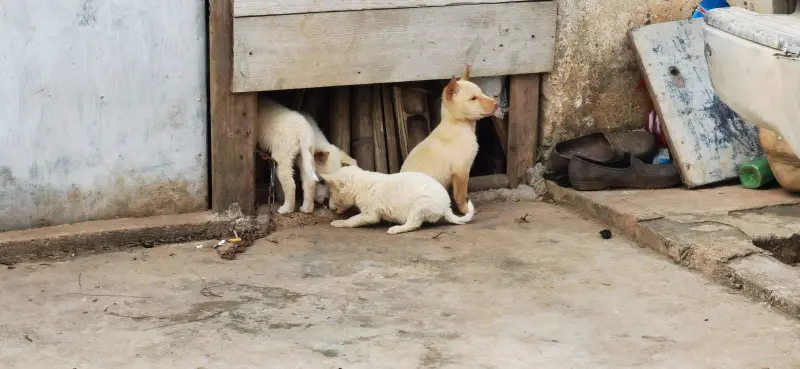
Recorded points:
(448, 152)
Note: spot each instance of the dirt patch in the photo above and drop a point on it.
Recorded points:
(521, 193)
(74, 240)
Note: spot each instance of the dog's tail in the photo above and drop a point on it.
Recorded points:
(453, 218)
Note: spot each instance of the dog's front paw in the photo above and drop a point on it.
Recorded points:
(395, 230)
(307, 208)
(339, 223)
(285, 209)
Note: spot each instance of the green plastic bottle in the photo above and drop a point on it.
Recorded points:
(756, 173)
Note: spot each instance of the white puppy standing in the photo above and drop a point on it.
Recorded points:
(293, 137)
(288, 137)
(409, 199)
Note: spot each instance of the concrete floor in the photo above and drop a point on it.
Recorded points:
(498, 293)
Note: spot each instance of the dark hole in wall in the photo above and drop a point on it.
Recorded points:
(317, 102)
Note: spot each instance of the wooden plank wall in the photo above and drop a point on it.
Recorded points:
(232, 121)
(333, 49)
(523, 126)
(249, 8)
(415, 41)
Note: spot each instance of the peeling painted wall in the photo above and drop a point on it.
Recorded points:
(102, 110)
(593, 84)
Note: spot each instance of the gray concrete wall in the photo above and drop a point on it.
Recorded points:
(102, 110)
(592, 87)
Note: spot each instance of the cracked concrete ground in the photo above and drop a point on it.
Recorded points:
(745, 239)
(497, 293)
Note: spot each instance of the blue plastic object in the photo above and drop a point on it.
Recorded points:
(662, 157)
(707, 5)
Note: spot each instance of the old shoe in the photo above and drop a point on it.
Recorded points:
(624, 172)
(602, 147)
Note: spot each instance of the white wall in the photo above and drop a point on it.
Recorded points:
(102, 110)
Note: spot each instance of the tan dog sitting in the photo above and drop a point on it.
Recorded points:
(448, 152)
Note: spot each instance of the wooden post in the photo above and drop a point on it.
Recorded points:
(378, 132)
(501, 129)
(417, 128)
(400, 119)
(340, 118)
(523, 126)
(361, 128)
(314, 101)
(233, 120)
(391, 129)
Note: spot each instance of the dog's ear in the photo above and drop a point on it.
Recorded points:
(347, 160)
(465, 76)
(451, 89)
(321, 156)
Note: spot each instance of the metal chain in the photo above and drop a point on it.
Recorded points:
(271, 193)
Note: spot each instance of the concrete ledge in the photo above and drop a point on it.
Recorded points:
(713, 236)
(80, 239)
(92, 237)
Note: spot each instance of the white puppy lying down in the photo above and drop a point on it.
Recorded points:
(408, 198)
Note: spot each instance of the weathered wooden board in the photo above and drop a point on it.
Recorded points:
(501, 129)
(400, 119)
(233, 119)
(391, 129)
(523, 126)
(340, 118)
(382, 46)
(249, 8)
(361, 130)
(707, 139)
(378, 131)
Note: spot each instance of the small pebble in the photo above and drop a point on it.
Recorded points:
(606, 234)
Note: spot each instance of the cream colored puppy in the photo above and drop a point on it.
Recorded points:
(289, 138)
(448, 152)
(293, 137)
(405, 198)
